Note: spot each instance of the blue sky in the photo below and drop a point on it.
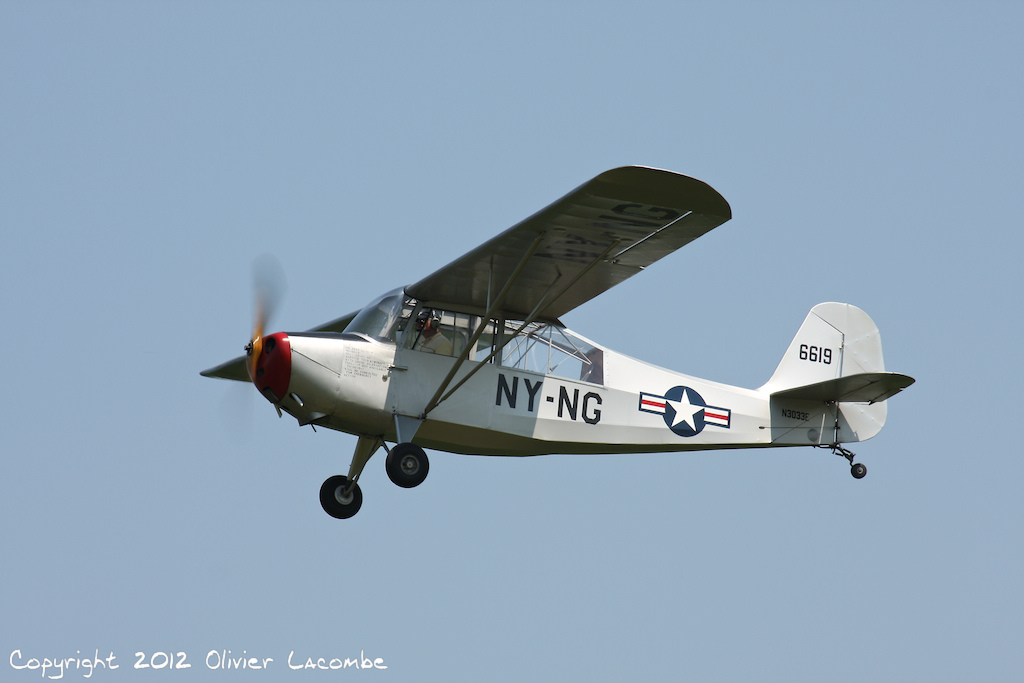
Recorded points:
(151, 152)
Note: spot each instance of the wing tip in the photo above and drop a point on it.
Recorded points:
(666, 185)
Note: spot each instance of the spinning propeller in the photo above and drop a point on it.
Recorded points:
(268, 288)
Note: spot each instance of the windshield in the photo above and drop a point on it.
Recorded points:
(383, 317)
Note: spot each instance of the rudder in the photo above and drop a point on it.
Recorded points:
(831, 386)
(835, 340)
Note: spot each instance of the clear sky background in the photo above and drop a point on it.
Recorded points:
(150, 152)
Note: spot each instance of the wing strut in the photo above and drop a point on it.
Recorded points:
(491, 308)
(653, 234)
(541, 305)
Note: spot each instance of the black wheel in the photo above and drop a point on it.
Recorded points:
(858, 470)
(339, 499)
(407, 465)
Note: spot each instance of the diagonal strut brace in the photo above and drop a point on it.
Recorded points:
(492, 307)
(543, 303)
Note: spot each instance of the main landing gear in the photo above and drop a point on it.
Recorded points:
(857, 469)
(340, 497)
(407, 466)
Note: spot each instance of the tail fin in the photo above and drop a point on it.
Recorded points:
(836, 341)
(835, 358)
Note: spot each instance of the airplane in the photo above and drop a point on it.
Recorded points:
(474, 359)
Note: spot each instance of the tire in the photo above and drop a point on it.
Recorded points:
(858, 470)
(407, 465)
(333, 500)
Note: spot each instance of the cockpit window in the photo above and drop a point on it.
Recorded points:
(384, 317)
(540, 347)
(443, 333)
(553, 350)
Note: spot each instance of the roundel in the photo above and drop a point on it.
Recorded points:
(684, 411)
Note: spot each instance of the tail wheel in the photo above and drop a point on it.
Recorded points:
(340, 498)
(857, 469)
(407, 465)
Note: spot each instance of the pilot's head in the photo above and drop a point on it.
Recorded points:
(427, 322)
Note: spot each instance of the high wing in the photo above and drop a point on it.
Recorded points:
(593, 238)
(590, 240)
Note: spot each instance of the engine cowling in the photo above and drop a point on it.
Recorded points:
(271, 370)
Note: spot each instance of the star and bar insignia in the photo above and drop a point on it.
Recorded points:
(685, 411)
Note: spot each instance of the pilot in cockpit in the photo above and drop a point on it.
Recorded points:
(428, 336)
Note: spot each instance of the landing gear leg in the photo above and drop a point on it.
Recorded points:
(340, 496)
(857, 469)
(365, 448)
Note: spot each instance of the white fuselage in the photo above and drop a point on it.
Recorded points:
(358, 385)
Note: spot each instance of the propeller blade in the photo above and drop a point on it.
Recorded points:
(269, 285)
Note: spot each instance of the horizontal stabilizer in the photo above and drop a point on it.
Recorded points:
(868, 387)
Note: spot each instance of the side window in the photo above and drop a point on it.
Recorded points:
(444, 333)
(485, 345)
(430, 333)
(553, 350)
(539, 347)
(592, 367)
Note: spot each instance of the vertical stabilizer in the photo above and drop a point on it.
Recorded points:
(835, 340)
(831, 386)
